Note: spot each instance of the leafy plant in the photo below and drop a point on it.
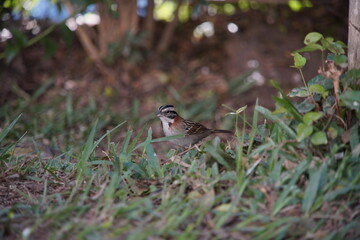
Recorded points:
(327, 98)
(318, 135)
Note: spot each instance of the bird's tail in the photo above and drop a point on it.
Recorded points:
(222, 131)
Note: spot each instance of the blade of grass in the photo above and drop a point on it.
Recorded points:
(277, 120)
(312, 187)
(284, 198)
(215, 154)
(90, 146)
(253, 129)
(7, 129)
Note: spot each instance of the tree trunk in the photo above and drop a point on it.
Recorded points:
(354, 34)
(169, 31)
(113, 28)
(149, 24)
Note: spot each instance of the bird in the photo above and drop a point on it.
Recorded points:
(173, 124)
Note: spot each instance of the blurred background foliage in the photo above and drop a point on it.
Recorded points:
(160, 51)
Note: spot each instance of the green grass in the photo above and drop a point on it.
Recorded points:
(83, 174)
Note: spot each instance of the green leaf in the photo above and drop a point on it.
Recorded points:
(341, 60)
(341, 44)
(319, 138)
(303, 131)
(310, 48)
(327, 83)
(311, 117)
(313, 186)
(336, 48)
(305, 106)
(299, 61)
(351, 99)
(350, 77)
(285, 103)
(299, 92)
(317, 88)
(312, 37)
(326, 42)
(274, 118)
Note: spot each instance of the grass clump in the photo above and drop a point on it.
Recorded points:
(62, 177)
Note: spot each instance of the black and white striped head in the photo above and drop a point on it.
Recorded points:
(167, 113)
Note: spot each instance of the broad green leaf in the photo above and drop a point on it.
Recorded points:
(351, 99)
(349, 78)
(303, 131)
(341, 43)
(326, 42)
(317, 88)
(299, 61)
(329, 39)
(319, 138)
(310, 48)
(312, 37)
(299, 92)
(310, 117)
(305, 106)
(327, 83)
(336, 48)
(341, 60)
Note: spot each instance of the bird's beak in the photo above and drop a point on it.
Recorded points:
(158, 113)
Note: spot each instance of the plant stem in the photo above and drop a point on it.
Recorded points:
(307, 88)
(322, 60)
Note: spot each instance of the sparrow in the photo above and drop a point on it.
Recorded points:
(174, 124)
